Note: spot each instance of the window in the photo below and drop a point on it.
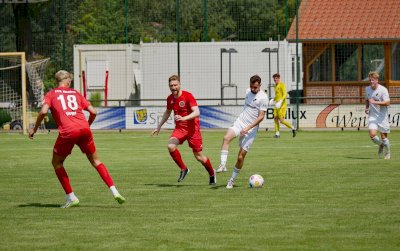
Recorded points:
(396, 61)
(346, 65)
(373, 59)
(321, 69)
(347, 60)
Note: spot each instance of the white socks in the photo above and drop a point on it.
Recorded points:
(386, 143)
(71, 196)
(235, 173)
(114, 191)
(376, 140)
(224, 157)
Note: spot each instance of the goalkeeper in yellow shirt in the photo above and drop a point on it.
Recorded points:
(280, 106)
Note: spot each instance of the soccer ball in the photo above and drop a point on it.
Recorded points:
(256, 181)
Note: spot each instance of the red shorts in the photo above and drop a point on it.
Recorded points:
(81, 137)
(193, 137)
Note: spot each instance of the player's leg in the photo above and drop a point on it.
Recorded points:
(373, 134)
(58, 163)
(281, 116)
(229, 136)
(276, 123)
(205, 161)
(245, 144)
(87, 146)
(177, 138)
(62, 148)
(195, 141)
(174, 152)
(385, 129)
(386, 145)
(238, 166)
(288, 125)
(105, 175)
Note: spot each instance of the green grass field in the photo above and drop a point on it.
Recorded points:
(323, 191)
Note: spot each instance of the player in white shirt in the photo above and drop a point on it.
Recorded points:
(245, 126)
(376, 106)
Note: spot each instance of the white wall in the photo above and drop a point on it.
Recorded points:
(200, 68)
(147, 67)
(119, 58)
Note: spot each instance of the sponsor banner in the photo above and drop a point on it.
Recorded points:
(310, 116)
(218, 116)
(210, 117)
(109, 118)
(351, 116)
(146, 118)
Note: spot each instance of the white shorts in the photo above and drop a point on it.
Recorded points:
(381, 126)
(246, 141)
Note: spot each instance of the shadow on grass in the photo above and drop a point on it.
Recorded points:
(59, 206)
(356, 157)
(172, 185)
(218, 187)
(39, 205)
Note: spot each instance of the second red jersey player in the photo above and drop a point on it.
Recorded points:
(187, 127)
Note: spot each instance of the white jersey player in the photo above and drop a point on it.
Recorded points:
(245, 126)
(376, 106)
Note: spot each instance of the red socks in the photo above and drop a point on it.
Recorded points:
(102, 170)
(176, 156)
(64, 180)
(208, 167)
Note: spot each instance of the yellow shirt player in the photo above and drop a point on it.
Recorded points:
(280, 106)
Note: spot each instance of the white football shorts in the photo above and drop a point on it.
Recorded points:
(246, 141)
(382, 126)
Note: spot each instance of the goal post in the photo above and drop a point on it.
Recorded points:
(21, 90)
(18, 57)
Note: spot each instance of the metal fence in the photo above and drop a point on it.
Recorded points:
(322, 51)
(50, 28)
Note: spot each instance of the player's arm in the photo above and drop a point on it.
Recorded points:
(284, 91)
(283, 97)
(195, 113)
(165, 117)
(92, 114)
(366, 106)
(42, 114)
(261, 115)
(381, 103)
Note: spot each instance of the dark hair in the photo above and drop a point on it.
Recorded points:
(174, 77)
(276, 75)
(254, 79)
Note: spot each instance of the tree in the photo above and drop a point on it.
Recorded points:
(99, 22)
(23, 28)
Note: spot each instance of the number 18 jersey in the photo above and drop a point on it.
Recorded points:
(66, 105)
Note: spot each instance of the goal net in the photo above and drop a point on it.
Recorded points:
(21, 91)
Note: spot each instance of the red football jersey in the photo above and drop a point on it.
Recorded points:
(66, 105)
(182, 106)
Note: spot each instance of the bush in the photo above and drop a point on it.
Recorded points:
(4, 116)
(95, 99)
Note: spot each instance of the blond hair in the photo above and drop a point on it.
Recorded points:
(61, 75)
(373, 74)
(173, 78)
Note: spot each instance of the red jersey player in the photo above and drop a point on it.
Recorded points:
(66, 106)
(187, 127)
